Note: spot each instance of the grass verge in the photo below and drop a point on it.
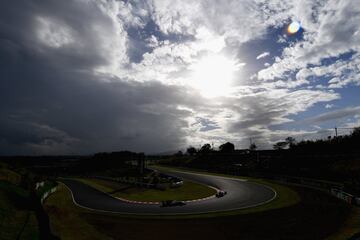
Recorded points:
(65, 219)
(285, 195)
(285, 198)
(17, 219)
(317, 216)
(188, 191)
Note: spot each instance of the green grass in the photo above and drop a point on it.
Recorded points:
(316, 216)
(101, 185)
(65, 218)
(188, 191)
(16, 216)
(9, 176)
(286, 197)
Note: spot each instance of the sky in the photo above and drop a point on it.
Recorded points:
(86, 76)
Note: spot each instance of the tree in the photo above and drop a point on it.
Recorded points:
(227, 147)
(179, 154)
(356, 132)
(290, 141)
(252, 147)
(191, 151)
(280, 145)
(206, 148)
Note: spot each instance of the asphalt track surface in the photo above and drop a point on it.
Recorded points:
(240, 194)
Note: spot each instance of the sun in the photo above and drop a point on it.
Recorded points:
(293, 27)
(212, 75)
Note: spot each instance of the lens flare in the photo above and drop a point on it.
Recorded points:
(293, 27)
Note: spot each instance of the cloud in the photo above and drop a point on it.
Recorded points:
(87, 76)
(330, 30)
(334, 115)
(262, 55)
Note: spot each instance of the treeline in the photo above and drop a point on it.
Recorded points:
(335, 158)
(340, 144)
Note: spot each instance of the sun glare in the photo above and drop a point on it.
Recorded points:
(293, 27)
(213, 75)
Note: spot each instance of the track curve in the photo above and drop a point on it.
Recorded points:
(241, 194)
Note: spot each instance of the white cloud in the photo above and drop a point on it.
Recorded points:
(330, 28)
(262, 55)
(53, 33)
(328, 106)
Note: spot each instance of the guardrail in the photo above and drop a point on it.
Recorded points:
(333, 188)
(47, 194)
(347, 197)
(44, 194)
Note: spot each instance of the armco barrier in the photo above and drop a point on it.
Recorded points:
(48, 193)
(39, 184)
(347, 197)
(334, 189)
(45, 194)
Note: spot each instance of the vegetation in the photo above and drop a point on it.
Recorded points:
(188, 191)
(337, 159)
(316, 216)
(66, 220)
(227, 147)
(285, 196)
(17, 217)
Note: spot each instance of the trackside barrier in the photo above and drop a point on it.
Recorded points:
(332, 188)
(177, 182)
(347, 197)
(123, 180)
(39, 185)
(48, 193)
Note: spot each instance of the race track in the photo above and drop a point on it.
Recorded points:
(240, 194)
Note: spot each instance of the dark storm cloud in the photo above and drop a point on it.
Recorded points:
(53, 103)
